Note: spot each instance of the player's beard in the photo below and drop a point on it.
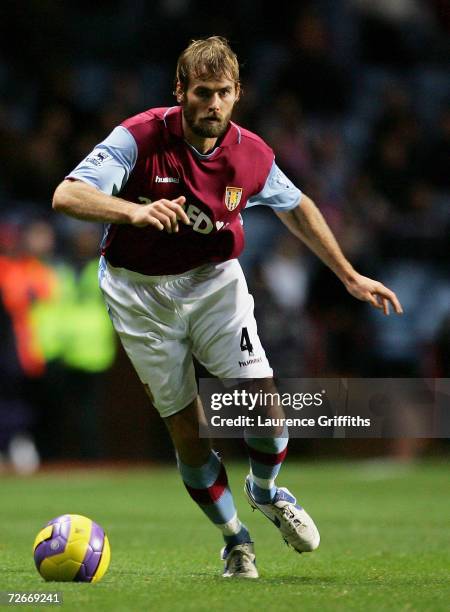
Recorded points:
(204, 128)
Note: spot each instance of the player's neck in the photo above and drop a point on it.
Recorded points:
(202, 145)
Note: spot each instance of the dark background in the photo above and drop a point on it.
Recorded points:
(353, 96)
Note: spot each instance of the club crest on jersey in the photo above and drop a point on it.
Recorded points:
(233, 196)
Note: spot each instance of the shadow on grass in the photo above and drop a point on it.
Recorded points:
(215, 576)
(315, 580)
(298, 580)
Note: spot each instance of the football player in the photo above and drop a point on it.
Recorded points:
(170, 183)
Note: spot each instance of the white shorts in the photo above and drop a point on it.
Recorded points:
(163, 320)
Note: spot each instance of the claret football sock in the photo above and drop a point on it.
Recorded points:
(208, 487)
(266, 456)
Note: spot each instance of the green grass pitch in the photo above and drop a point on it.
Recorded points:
(385, 540)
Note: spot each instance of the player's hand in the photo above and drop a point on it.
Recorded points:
(374, 292)
(162, 214)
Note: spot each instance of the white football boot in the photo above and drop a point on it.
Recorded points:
(239, 561)
(296, 526)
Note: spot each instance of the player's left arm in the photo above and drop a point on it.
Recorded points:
(307, 223)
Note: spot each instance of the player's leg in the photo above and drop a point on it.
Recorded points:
(204, 474)
(266, 454)
(206, 481)
(226, 342)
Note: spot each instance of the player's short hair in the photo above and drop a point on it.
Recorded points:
(207, 58)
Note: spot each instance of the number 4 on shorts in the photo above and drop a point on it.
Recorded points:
(246, 345)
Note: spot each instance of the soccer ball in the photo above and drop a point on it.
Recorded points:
(72, 548)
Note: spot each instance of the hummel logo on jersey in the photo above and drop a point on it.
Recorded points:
(166, 179)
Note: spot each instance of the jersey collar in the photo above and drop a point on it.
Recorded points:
(173, 121)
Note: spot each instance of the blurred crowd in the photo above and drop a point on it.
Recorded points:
(354, 98)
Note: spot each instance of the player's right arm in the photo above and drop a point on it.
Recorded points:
(83, 201)
(91, 191)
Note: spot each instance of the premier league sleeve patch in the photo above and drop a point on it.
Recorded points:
(98, 157)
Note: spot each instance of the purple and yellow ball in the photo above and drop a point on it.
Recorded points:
(72, 548)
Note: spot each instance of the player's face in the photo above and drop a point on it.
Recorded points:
(208, 105)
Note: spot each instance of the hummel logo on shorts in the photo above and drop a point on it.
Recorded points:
(242, 364)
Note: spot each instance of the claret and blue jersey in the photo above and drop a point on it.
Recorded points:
(147, 159)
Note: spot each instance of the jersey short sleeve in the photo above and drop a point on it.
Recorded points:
(109, 165)
(278, 192)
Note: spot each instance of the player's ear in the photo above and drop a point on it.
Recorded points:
(179, 92)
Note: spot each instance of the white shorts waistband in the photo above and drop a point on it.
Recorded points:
(154, 280)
